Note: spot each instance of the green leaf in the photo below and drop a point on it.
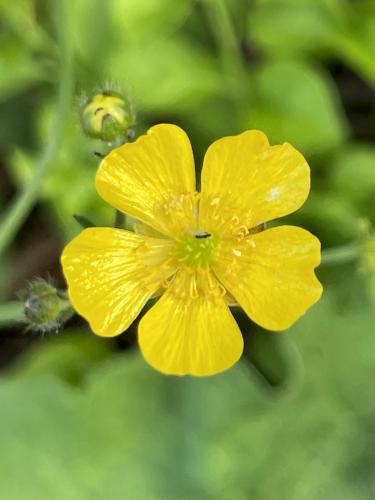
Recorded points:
(18, 69)
(272, 356)
(145, 20)
(130, 432)
(167, 75)
(126, 21)
(69, 356)
(356, 43)
(323, 214)
(83, 221)
(288, 27)
(296, 103)
(21, 18)
(353, 176)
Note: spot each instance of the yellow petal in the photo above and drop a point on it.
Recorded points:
(190, 330)
(260, 182)
(111, 273)
(149, 177)
(271, 274)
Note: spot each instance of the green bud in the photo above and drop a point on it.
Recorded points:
(46, 308)
(108, 116)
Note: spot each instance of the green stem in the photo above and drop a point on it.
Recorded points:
(341, 254)
(11, 312)
(227, 42)
(23, 203)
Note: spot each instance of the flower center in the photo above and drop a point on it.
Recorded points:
(197, 249)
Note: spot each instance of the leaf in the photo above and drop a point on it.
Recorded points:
(288, 27)
(18, 69)
(145, 20)
(70, 356)
(273, 357)
(171, 74)
(323, 214)
(129, 432)
(126, 21)
(356, 43)
(295, 103)
(353, 176)
(83, 221)
(21, 18)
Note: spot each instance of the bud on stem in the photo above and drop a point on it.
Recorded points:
(108, 116)
(46, 308)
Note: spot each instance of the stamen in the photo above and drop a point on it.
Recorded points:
(181, 210)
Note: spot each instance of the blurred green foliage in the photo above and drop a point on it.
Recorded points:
(81, 421)
(168, 57)
(119, 429)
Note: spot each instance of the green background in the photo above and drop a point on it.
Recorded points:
(86, 418)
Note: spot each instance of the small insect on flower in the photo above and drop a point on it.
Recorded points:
(197, 250)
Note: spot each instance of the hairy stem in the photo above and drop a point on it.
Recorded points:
(23, 203)
(228, 45)
(341, 254)
(11, 312)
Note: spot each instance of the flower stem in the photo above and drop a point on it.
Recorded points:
(341, 254)
(23, 203)
(226, 39)
(11, 312)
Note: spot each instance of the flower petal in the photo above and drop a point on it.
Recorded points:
(144, 177)
(191, 329)
(265, 182)
(271, 275)
(111, 273)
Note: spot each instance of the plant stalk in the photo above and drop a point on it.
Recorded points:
(11, 313)
(341, 254)
(25, 200)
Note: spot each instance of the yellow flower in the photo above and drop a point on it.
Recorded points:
(202, 249)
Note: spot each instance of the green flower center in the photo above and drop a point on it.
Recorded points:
(197, 249)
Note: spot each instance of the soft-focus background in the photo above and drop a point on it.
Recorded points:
(83, 418)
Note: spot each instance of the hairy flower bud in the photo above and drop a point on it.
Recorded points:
(46, 308)
(108, 116)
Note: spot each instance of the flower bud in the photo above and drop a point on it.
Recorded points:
(46, 308)
(108, 116)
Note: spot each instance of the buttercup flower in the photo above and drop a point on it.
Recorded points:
(199, 251)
